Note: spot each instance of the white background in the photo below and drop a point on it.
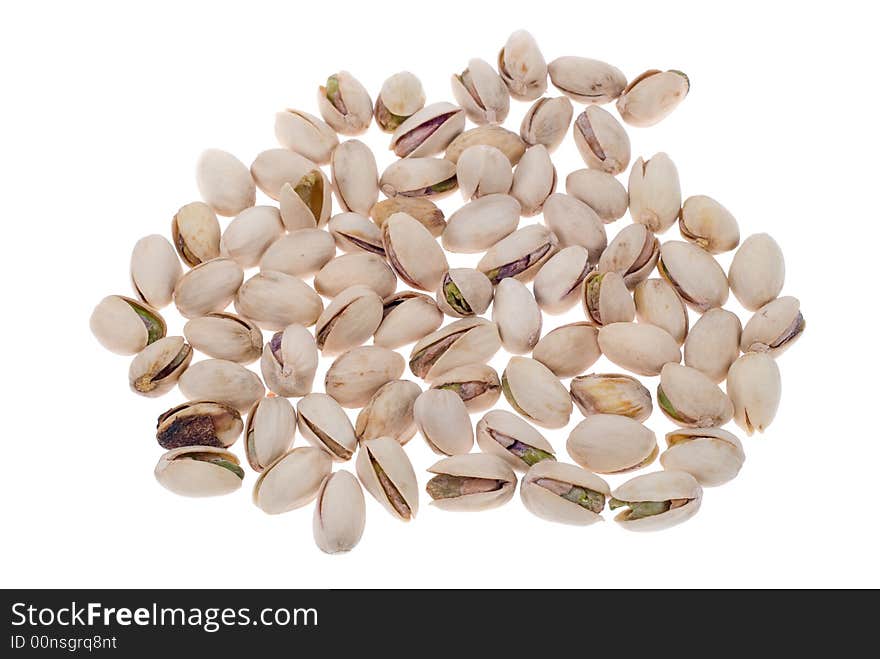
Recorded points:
(105, 110)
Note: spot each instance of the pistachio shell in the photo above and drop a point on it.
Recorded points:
(289, 361)
(533, 391)
(517, 315)
(355, 176)
(419, 177)
(633, 254)
(389, 412)
(349, 320)
(345, 104)
(429, 131)
(512, 439)
(199, 423)
(273, 168)
(641, 349)
(340, 513)
(195, 232)
(465, 341)
(534, 179)
(274, 300)
(401, 97)
(199, 471)
(546, 122)
(664, 487)
(357, 374)
(601, 140)
(250, 234)
(652, 96)
(611, 393)
(755, 388)
(154, 270)
(775, 327)
(300, 253)
(443, 421)
(292, 481)
(542, 493)
(305, 134)
(155, 370)
(471, 482)
(325, 425)
(522, 66)
(483, 170)
(269, 431)
(712, 344)
(208, 287)
(600, 191)
(605, 299)
(126, 326)
(520, 255)
(559, 280)
(658, 304)
(482, 93)
(711, 455)
(654, 192)
(305, 200)
(611, 444)
(413, 252)
(575, 223)
(464, 292)
(353, 269)
(569, 350)
(424, 210)
(690, 398)
(354, 232)
(695, 275)
(224, 182)
(509, 143)
(406, 317)
(586, 80)
(478, 385)
(222, 381)
(708, 224)
(387, 474)
(480, 224)
(757, 271)
(225, 336)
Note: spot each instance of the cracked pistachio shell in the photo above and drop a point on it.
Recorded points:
(471, 482)
(633, 253)
(157, 368)
(482, 93)
(535, 392)
(401, 96)
(155, 270)
(292, 481)
(509, 143)
(694, 274)
(354, 232)
(586, 80)
(306, 135)
(345, 104)
(413, 252)
(600, 191)
(352, 269)
(660, 487)
(195, 232)
(512, 439)
(464, 292)
(387, 474)
(224, 182)
(222, 381)
(480, 224)
(522, 66)
(605, 299)
(575, 223)
(611, 444)
(289, 362)
(429, 131)
(466, 341)
(755, 388)
(708, 224)
(444, 422)
(483, 170)
(419, 177)
(654, 192)
(272, 168)
(691, 399)
(225, 336)
(406, 317)
(517, 315)
(611, 393)
(250, 234)
(389, 412)
(356, 375)
(306, 202)
(208, 287)
(640, 349)
(658, 304)
(774, 327)
(757, 271)
(520, 255)
(601, 140)
(546, 122)
(126, 326)
(569, 350)
(340, 513)
(268, 434)
(274, 300)
(711, 455)
(355, 176)
(534, 179)
(300, 253)
(712, 344)
(199, 423)
(199, 471)
(652, 97)
(325, 425)
(478, 385)
(542, 493)
(424, 210)
(559, 280)
(349, 320)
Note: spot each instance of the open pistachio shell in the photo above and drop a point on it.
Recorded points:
(420, 208)
(199, 423)
(401, 97)
(657, 500)
(755, 388)
(611, 444)
(601, 140)
(419, 177)
(569, 350)
(546, 122)
(195, 232)
(478, 385)
(464, 292)
(353, 269)
(222, 381)
(406, 317)
(275, 300)
(349, 320)
(482, 93)
(155, 270)
(269, 431)
(354, 232)
(355, 176)
(586, 80)
(640, 349)
(534, 179)
(429, 131)
(305, 134)
(757, 271)
(611, 393)
(712, 344)
(224, 182)
(483, 170)
(512, 439)
(156, 369)
(522, 66)
(389, 412)
(305, 200)
(775, 327)
(325, 425)
(357, 374)
(340, 513)
(126, 326)
(387, 474)
(413, 252)
(605, 299)
(471, 482)
(559, 280)
(480, 224)
(690, 398)
(466, 341)
(575, 223)
(250, 234)
(199, 471)
(658, 304)
(652, 96)
(509, 143)
(517, 315)
(654, 192)
(711, 455)
(300, 253)
(208, 287)
(520, 255)
(289, 361)
(633, 253)
(292, 481)
(694, 274)
(564, 493)
(708, 224)
(345, 104)
(443, 421)
(535, 392)
(600, 191)
(225, 336)
(273, 168)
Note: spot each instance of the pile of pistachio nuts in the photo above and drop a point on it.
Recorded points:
(358, 283)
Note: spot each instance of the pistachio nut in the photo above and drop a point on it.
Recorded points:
(401, 97)
(708, 224)
(274, 168)
(406, 317)
(517, 315)
(155, 270)
(225, 336)
(198, 423)
(757, 271)
(586, 80)
(712, 344)
(195, 231)
(564, 493)
(325, 425)
(654, 192)
(535, 392)
(223, 382)
(126, 326)
(611, 393)
(289, 361)
(755, 388)
(356, 375)
(691, 399)
(419, 177)
(349, 320)
(711, 455)
(658, 304)
(292, 481)
(225, 182)
(480, 224)
(354, 232)
(199, 471)
(775, 327)
(633, 253)
(652, 96)
(471, 482)
(464, 292)
(387, 474)
(466, 341)
(340, 513)
(413, 252)
(477, 385)
(534, 179)
(522, 66)
(512, 439)
(569, 350)
(345, 104)
(509, 143)
(640, 349)
(694, 274)
(250, 234)
(605, 299)
(156, 369)
(429, 131)
(575, 223)
(355, 176)
(305, 134)
(269, 431)
(353, 269)
(600, 191)
(300, 253)
(306, 201)
(443, 421)
(601, 140)
(483, 170)
(656, 501)
(559, 280)
(546, 122)
(208, 287)
(611, 444)
(424, 210)
(389, 412)
(520, 255)
(274, 300)
(482, 93)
